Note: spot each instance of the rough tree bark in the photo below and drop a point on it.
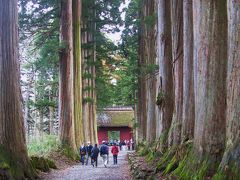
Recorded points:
(90, 53)
(67, 135)
(84, 81)
(89, 86)
(210, 56)
(142, 88)
(87, 80)
(77, 61)
(89, 103)
(150, 77)
(12, 135)
(188, 76)
(165, 69)
(94, 95)
(92, 108)
(232, 153)
(177, 51)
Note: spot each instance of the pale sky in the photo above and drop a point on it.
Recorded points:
(116, 37)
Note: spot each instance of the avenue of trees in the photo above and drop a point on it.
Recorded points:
(58, 44)
(178, 65)
(196, 92)
(40, 63)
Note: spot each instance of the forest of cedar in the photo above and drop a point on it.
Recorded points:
(177, 64)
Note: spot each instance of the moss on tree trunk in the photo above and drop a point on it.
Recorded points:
(13, 153)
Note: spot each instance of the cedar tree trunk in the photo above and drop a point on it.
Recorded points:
(177, 51)
(67, 135)
(188, 76)
(150, 78)
(232, 153)
(12, 135)
(77, 61)
(210, 56)
(141, 105)
(165, 68)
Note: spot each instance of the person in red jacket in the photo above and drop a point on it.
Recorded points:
(115, 153)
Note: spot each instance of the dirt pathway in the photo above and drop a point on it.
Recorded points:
(78, 172)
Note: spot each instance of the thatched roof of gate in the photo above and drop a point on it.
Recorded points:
(115, 117)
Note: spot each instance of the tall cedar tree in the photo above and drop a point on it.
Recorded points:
(230, 158)
(177, 55)
(12, 138)
(150, 57)
(89, 58)
(141, 93)
(165, 70)
(66, 107)
(77, 78)
(210, 70)
(188, 76)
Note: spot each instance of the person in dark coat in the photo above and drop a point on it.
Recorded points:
(89, 152)
(120, 145)
(115, 152)
(95, 153)
(104, 153)
(83, 152)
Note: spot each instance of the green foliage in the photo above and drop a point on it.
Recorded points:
(43, 146)
(135, 123)
(153, 151)
(152, 154)
(38, 16)
(41, 103)
(10, 168)
(88, 88)
(4, 165)
(106, 17)
(87, 76)
(51, 164)
(150, 20)
(88, 100)
(191, 167)
(128, 72)
(42, 164)
(230, 171)
(149, 69)
(69, 153)
(142, 148)
(39, 35)
(220, 175)
(171, 165)
(160, 98)
(165, 160)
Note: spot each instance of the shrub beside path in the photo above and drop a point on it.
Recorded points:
(78, 172)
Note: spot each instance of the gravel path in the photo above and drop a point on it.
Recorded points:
(78, 172)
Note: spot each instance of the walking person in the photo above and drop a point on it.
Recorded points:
(95, 153)
(115, 152)
(131, 144)
(128, 145)
(83, 152)
(89, 152)
(104, 153)
(120, 145)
